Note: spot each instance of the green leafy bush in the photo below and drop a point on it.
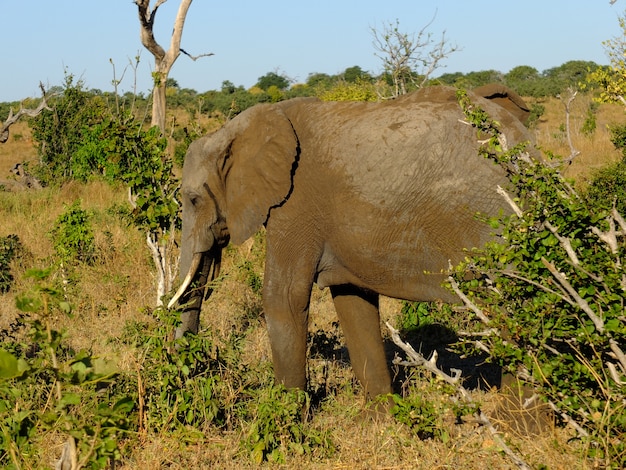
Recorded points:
(421, 415)
(46, 388)
(72, 235)
(278, 427)
(9, 249)
(183, 381)
(607, 188)
(553, 288)
(63, 131)
(349, 91)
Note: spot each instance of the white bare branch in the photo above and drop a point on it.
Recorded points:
(582, 303)
(415, 359)
(13, 118)
(163, 60)
(567, 102)
(565, 243)
(472, 306)
(405, 55)
(509, 201)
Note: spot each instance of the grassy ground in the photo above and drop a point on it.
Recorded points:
(120, 285)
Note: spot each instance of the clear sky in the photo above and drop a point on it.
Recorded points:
(250, 38)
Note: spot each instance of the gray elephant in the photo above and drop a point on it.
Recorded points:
(367, 199)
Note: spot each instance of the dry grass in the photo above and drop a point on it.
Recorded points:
(120, 285)
(595, 150)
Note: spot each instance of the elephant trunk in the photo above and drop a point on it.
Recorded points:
(196, 288)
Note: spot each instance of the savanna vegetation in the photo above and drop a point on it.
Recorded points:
(88, 367)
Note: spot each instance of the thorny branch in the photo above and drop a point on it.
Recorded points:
(522, 372)
(415, 359)
(13, 118)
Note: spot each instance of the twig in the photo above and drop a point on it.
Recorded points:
(610, 237)
(565, 243)
(510, 202)
(473, 307)
(196, 57)
(582, 303)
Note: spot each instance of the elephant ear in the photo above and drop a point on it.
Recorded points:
(259, 168)
(506, 98)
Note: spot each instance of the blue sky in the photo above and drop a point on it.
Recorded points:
(250, 38)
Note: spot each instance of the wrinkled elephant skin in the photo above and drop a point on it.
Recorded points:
(367, 199)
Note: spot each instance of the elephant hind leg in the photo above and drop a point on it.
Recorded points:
(360, 321)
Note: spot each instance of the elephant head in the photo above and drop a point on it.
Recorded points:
(507, 98)
(226, 198)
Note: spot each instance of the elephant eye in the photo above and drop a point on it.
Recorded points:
(193, 199)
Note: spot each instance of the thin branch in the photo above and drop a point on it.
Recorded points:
(582, 303)
(619, 354)
(473, 307)
(195, 57)
(562, 294)
(567, 103)
(510, 201)
(417, 360)
(565, 243)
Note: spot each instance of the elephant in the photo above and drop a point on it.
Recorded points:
(366, 199)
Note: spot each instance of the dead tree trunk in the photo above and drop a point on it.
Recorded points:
(163, 60)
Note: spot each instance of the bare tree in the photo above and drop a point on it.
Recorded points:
(409, 58)
(163, 60)
(13, 118)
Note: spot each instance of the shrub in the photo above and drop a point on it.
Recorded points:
(348, 91)
(607, 188)
(46, 388)
(553, 285)
(72, 235)
(278, 428)
(9, 248)
(63, 131)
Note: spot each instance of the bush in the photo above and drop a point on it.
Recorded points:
(47, 389)
(72, 235)
(63, 132)
(607, 188)
(554, 286)
(9, 249)
(348, 91)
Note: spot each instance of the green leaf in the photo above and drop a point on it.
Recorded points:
(8, 365)
(70, 399)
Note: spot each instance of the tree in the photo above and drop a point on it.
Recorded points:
(318, 79)
(522, 79)
(612, 79)
(409, 59)
(163, 60)
(273, 79)
(568, 75)
(355, 74)
(476, 79)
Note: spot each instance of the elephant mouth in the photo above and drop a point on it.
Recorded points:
(205, 268)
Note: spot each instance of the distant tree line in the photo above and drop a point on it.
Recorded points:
(231, 99)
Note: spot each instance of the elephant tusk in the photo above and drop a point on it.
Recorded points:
(195, 263)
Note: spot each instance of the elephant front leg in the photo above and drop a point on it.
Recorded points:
(286, 314)
(360, 321)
